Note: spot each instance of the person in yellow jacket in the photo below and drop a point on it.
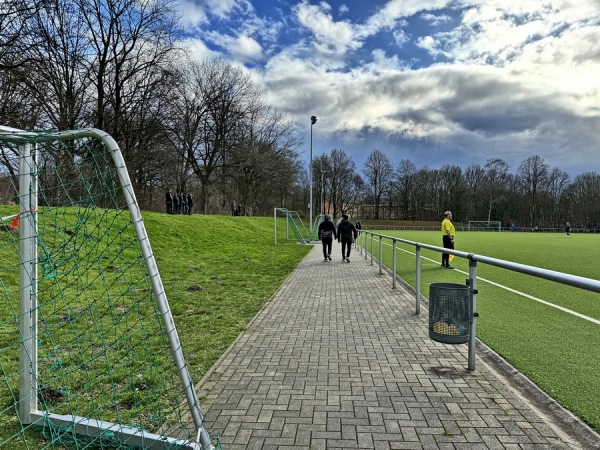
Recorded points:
(448, 234)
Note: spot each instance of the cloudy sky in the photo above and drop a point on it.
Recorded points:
(434, 81)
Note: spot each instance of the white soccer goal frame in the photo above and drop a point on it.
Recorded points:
(304, 233)
(29, 412)
(484, 225)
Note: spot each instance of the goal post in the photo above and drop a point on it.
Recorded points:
(100, 359)
(289, 227)
(484, 225)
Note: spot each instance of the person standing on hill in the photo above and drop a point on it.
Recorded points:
(448, 233)
(326, 236)
(184, 205)
(169, 200)
(190, 202)
(176, 204)
(345, 232)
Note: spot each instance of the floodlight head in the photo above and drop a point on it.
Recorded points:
(313, 120)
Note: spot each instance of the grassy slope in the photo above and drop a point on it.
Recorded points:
(235, 263)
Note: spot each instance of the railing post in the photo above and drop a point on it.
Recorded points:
(418, 280)
(372, 243)
(380, 255)
(393, 263)
(474, 314)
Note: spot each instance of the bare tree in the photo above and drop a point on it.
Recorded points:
(378, 170)
(475, 182)
(533, 177)
(343, 181)
(426, 201)
(452, 190)
(584, 195)
(225, 99)
(15, 34)
(558, 181)
(496, 176)
(265, 161)
(404, 187)
(133, 46)
(57, 73)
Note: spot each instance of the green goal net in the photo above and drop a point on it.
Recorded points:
(89, 352)
(484, 225)
(289, 228)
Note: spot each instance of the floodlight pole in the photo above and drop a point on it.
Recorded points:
(313, 120)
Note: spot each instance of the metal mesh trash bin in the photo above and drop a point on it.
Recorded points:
(449, 313)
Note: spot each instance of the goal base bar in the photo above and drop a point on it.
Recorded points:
(130, 436)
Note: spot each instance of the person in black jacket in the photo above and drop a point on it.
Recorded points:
(169, 199)
(176, 204)
(345, 232)
(326, 235)
(190, 204)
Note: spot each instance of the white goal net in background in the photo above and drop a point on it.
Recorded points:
(484, 225)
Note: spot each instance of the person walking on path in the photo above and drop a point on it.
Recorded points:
(326, 236)
(448, 234)
(346, 231)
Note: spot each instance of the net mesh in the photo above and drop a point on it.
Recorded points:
(484, 225)
(103, 350)
(289, 228)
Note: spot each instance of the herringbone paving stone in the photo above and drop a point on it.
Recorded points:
(339, 360)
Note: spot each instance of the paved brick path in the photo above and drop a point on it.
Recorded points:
(339, 360)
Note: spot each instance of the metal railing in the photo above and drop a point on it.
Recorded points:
(368, 236)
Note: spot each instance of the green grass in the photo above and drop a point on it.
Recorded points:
(556, 350)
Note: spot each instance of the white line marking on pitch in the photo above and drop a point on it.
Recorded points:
(523, 294)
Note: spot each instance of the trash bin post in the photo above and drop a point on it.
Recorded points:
(393, 263)
(473, 300)
(418, 280)
(380, 255)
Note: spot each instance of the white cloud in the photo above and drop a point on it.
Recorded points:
(436, 20)
(329, 35)
(198, 50)
(510, 80)
(198, 12)
(192, 14)
(394, 10)
(246, 49)
(220, 8)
